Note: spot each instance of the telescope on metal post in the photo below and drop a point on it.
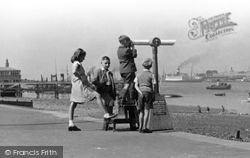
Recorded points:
(155, 43)
(159, 118)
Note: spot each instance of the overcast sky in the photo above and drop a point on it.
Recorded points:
(38, 36)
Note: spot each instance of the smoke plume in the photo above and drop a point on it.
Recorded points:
(193, 60)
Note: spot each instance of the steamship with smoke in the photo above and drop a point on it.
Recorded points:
(182, 77)
(178, 77)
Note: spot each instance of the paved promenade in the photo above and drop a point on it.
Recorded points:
(30, 127)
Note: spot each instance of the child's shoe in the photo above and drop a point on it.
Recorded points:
(74, 128)
(133, 127)
(140, 130)
(107, 115)
(146, 131)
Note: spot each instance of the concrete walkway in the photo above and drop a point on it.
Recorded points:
(30, 127)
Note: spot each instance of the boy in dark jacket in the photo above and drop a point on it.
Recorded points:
(104, 82)
(126, 54)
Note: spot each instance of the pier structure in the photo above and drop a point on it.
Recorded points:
(16, 89)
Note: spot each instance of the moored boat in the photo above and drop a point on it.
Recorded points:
(221, 86)
(172, 95)
(220, 94)
(10, 90)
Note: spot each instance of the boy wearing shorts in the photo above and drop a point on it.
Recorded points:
(104, 83)
(144, 83)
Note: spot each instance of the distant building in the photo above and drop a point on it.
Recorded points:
(230, 76)
(211, 72)
(8, 74)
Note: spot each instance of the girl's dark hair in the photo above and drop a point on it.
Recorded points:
(77, 54)
(105, 58)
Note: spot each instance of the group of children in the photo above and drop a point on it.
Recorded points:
(102, 88)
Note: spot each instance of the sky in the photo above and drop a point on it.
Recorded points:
(39, 37)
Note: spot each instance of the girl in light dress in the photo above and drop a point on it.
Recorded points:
(82, 91)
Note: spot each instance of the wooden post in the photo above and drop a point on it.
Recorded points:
(19, 92)
(56, 91)
(37, 91)
(199, 109)
(237, 134)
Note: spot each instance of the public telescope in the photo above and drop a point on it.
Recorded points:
(155, 43)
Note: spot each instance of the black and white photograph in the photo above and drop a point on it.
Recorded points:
(124, 79)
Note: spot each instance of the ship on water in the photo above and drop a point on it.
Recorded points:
(178, 77)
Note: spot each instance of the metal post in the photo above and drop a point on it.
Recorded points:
(155, 69)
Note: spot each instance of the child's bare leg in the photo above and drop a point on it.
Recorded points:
(72, 127)
(124, 91)
(100, 103)
(71, 113)
(141, 117)
(110, 106)
(146, 116)
(107, 115)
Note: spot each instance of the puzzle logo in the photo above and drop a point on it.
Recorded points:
(211, 28)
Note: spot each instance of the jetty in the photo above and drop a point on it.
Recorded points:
(16, 89)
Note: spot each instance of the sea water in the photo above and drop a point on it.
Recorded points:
(46, 95)
(195, 94)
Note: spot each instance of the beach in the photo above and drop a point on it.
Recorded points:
(215, 123)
